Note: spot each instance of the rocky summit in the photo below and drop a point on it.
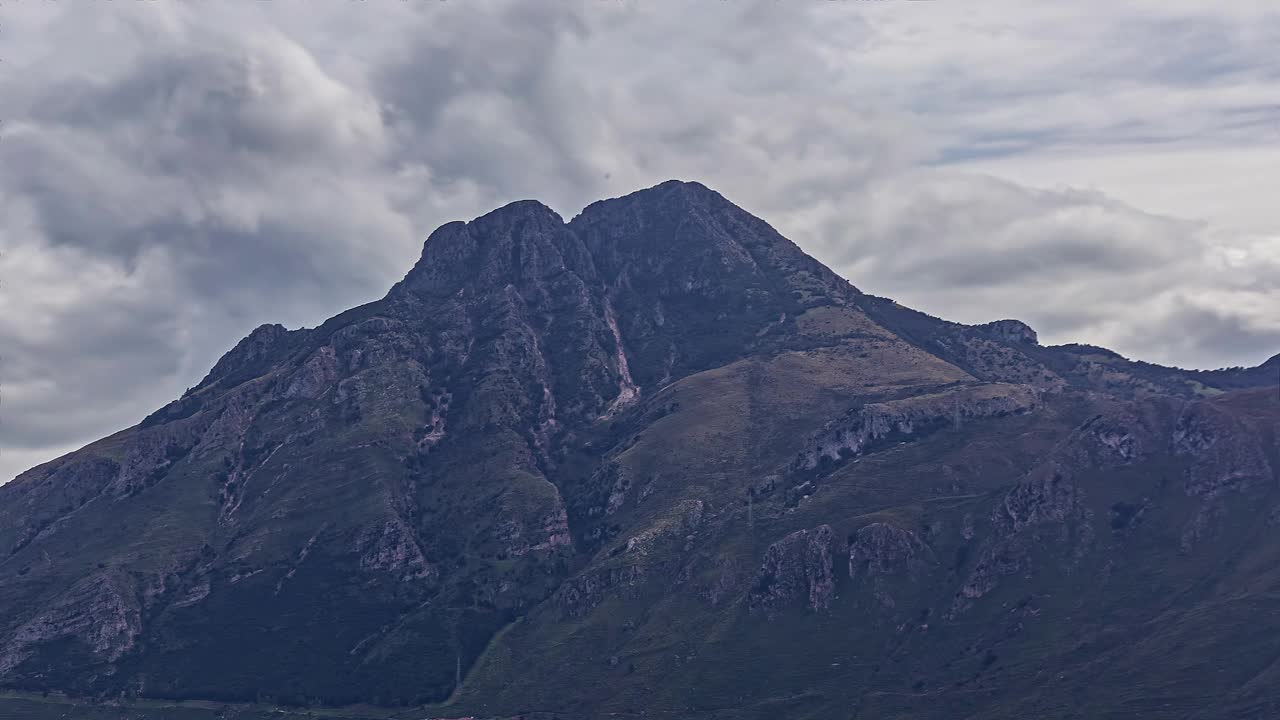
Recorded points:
(658, 462)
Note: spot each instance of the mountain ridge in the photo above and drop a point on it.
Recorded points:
(559, 450)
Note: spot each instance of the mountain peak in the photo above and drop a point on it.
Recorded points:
(521, 239)
(251, 355)
(688, 234)
(650, 415)
(671, 195)
(521, 209)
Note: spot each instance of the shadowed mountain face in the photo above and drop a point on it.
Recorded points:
(658, 459)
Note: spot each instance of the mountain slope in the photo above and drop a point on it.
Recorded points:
(658, 459)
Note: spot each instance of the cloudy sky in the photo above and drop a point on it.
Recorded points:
(174, 173)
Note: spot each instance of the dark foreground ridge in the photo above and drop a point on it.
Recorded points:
(659, 460)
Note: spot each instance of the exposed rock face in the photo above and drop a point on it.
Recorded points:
(852, 434)
(647, 554)
(1116, 438)
(103, 612)
(1011, 331)
(548, 532)
(796, 569)
(676, 527)
(393, 549)
(883, 559)
(1223, 457)
(50, 492)
(317, 375)
(519, 278)
(251, 355)
(1223, 454)
(677, 259)
(582, 594)
(628, 391)
(149, 454)
(1047, 495)
(882, 549)
(1045, 507)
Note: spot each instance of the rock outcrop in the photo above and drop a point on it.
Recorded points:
(1224, 455)
(884, 558)
(796, 569)
(881, 549)
(1046, 507)
(1010, 331)
(581, 594)
(103, 612)
(1116, 438)
(861, 428)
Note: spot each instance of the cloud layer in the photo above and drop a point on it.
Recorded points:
(177, 173)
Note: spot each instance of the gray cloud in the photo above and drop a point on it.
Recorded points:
(156, 212)
(177, 173)
(1078, 265)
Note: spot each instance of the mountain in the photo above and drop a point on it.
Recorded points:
(657, 461)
